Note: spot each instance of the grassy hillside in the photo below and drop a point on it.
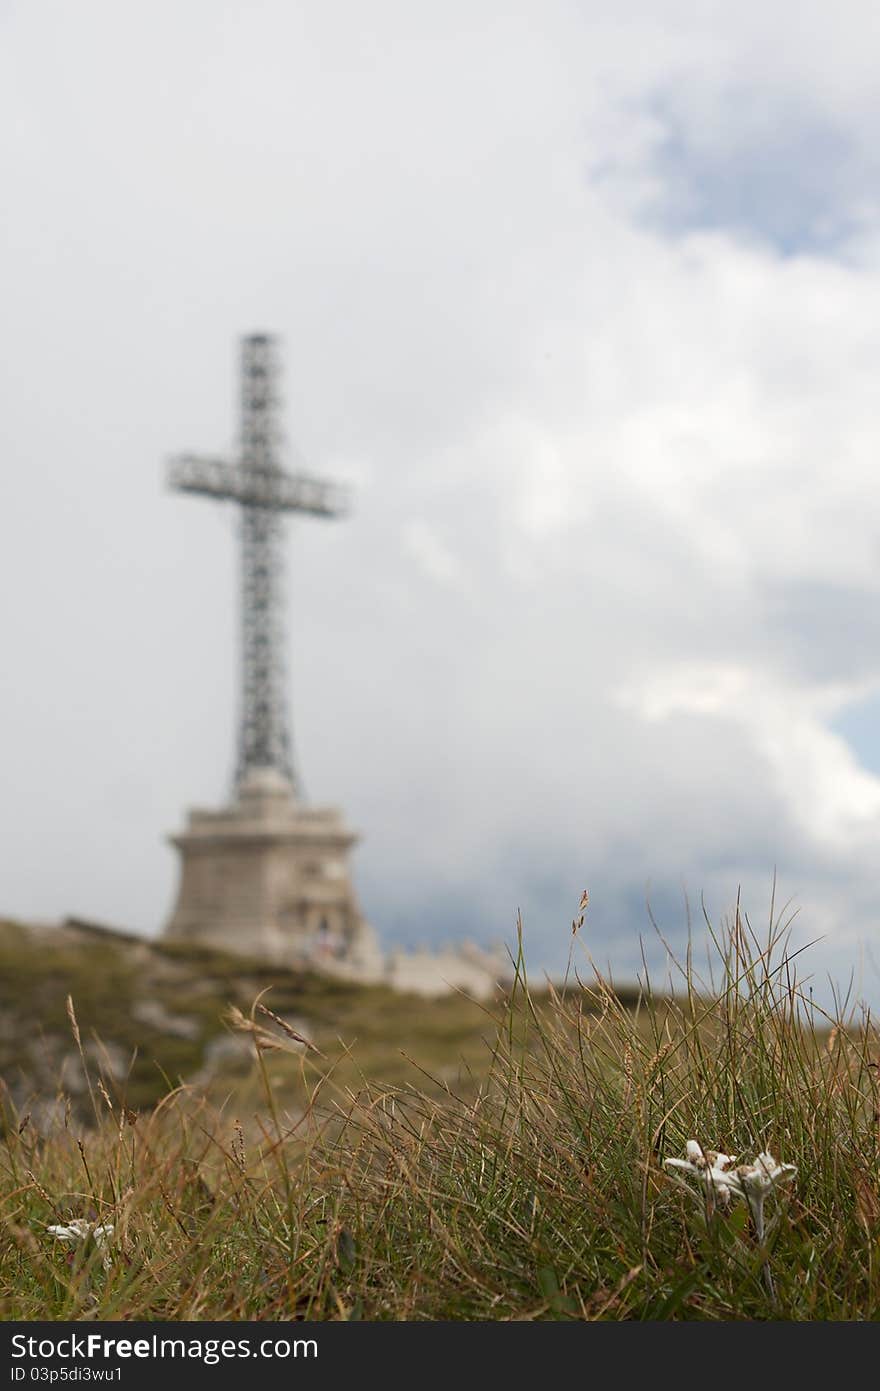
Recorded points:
(153, 1015)
(543, 1191)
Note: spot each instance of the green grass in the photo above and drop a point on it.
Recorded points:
(537, 1191)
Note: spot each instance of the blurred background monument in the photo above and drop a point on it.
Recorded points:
(267, 875)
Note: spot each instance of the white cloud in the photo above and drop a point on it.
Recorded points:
(833, 800)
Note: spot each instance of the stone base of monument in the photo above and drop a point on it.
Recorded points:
(269, 877)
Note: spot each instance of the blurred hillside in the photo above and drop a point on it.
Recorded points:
(155, 1015)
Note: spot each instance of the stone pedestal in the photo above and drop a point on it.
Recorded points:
(269, 877)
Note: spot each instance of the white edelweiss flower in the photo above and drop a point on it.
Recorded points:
(79, 1230)
(764, 1175)
(756, 1182)
(716, 1182)
(777, 1173)
(709, 1166)
(718, 1161)
(76, 1231)
(750, 1182)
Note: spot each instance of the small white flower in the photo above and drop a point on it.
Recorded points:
(756, 1181)
(80, 1230)
(764, 1175)
(750, 1182)
(711, 1167)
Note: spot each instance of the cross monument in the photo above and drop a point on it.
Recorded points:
(267, 875)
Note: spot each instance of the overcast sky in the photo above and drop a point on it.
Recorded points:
(583, 302)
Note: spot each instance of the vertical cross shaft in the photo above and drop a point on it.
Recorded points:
(264, 738)
(257, 482)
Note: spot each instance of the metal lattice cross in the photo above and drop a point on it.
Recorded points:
(257, 482)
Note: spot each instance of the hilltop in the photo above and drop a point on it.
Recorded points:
(156, 1014)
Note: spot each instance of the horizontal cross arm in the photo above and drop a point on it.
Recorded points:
(272, 488)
